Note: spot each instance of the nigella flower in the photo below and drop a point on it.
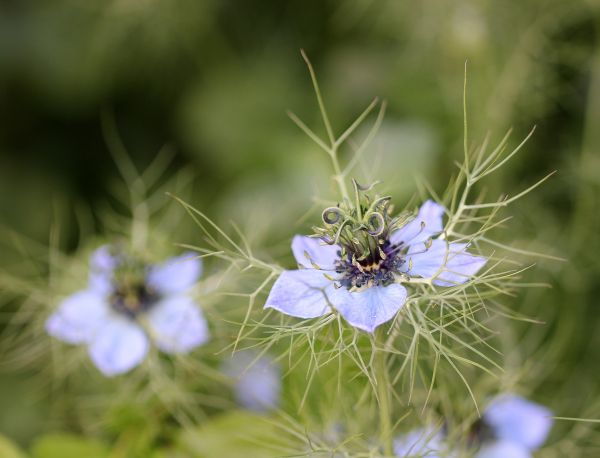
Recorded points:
(358, 262)
(424, 442)
(257, 380)
(516, 427)
(127, 302)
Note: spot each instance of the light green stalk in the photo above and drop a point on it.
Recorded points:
(383, 394)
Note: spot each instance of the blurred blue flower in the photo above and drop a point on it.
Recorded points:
(424, 442)
(503, 449)
(257, 380)
(324, 278)
(126, 302)
(517, 425)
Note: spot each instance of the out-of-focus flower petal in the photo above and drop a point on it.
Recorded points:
(318, 252)
(425, 442)
(178, 325)
(78, 317)
(175, 275)
(103, 260)
(426, 224)
(515, 419)
(257, 380)
(298, 293)
(426, 262)
(102, 265)
(118, 346)
(369, 308)
(503, 449)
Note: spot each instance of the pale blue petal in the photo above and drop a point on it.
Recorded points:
(78, 317)
(426, 224)
(318, 252)
(503, 449)
(298, 293)
(103, 260)
(515, 419)
(118, 346)
(175, 275)
(101, 283)
(424, 442)
(102, 265)
(369, 308)
(257, 380)
(458, 265)
(178, 325)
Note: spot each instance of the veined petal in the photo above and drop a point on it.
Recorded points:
(451, 264)
(369, 308)
(318, 252)
(175, 275)
(299, 293)
(515, 419)
(425, 442)
(178, 325)
(118, 346)
(78, 317)
(257, 380)
(426, 224)
(503, 449)
(461, 266)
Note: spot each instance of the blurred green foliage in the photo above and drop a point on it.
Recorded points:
(214, 80)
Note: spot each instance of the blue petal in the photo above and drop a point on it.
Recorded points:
(299, 293)
(458, 268)
(175, 275)
(503, 449)
(318, 252)
(515, 419)
(103, 260)
(177, 324)
(102, 265)
(426, 224)
(258, 380)
(118, 346)
(424, 442)
(78, 317)
(369, 308)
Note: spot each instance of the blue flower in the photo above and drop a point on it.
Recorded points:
(516, 424)
(125, 303)
(425, 442)
(257, 380)
(366, 289)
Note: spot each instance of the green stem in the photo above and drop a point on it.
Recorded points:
(339, 177)
(383, 396)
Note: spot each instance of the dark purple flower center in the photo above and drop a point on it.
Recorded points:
(132, 298)
(378, 268)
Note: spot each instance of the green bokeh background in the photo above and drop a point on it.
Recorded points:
(213, 79)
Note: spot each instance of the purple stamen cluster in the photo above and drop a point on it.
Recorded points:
(374, 270)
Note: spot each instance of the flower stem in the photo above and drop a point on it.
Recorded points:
(383, 395)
